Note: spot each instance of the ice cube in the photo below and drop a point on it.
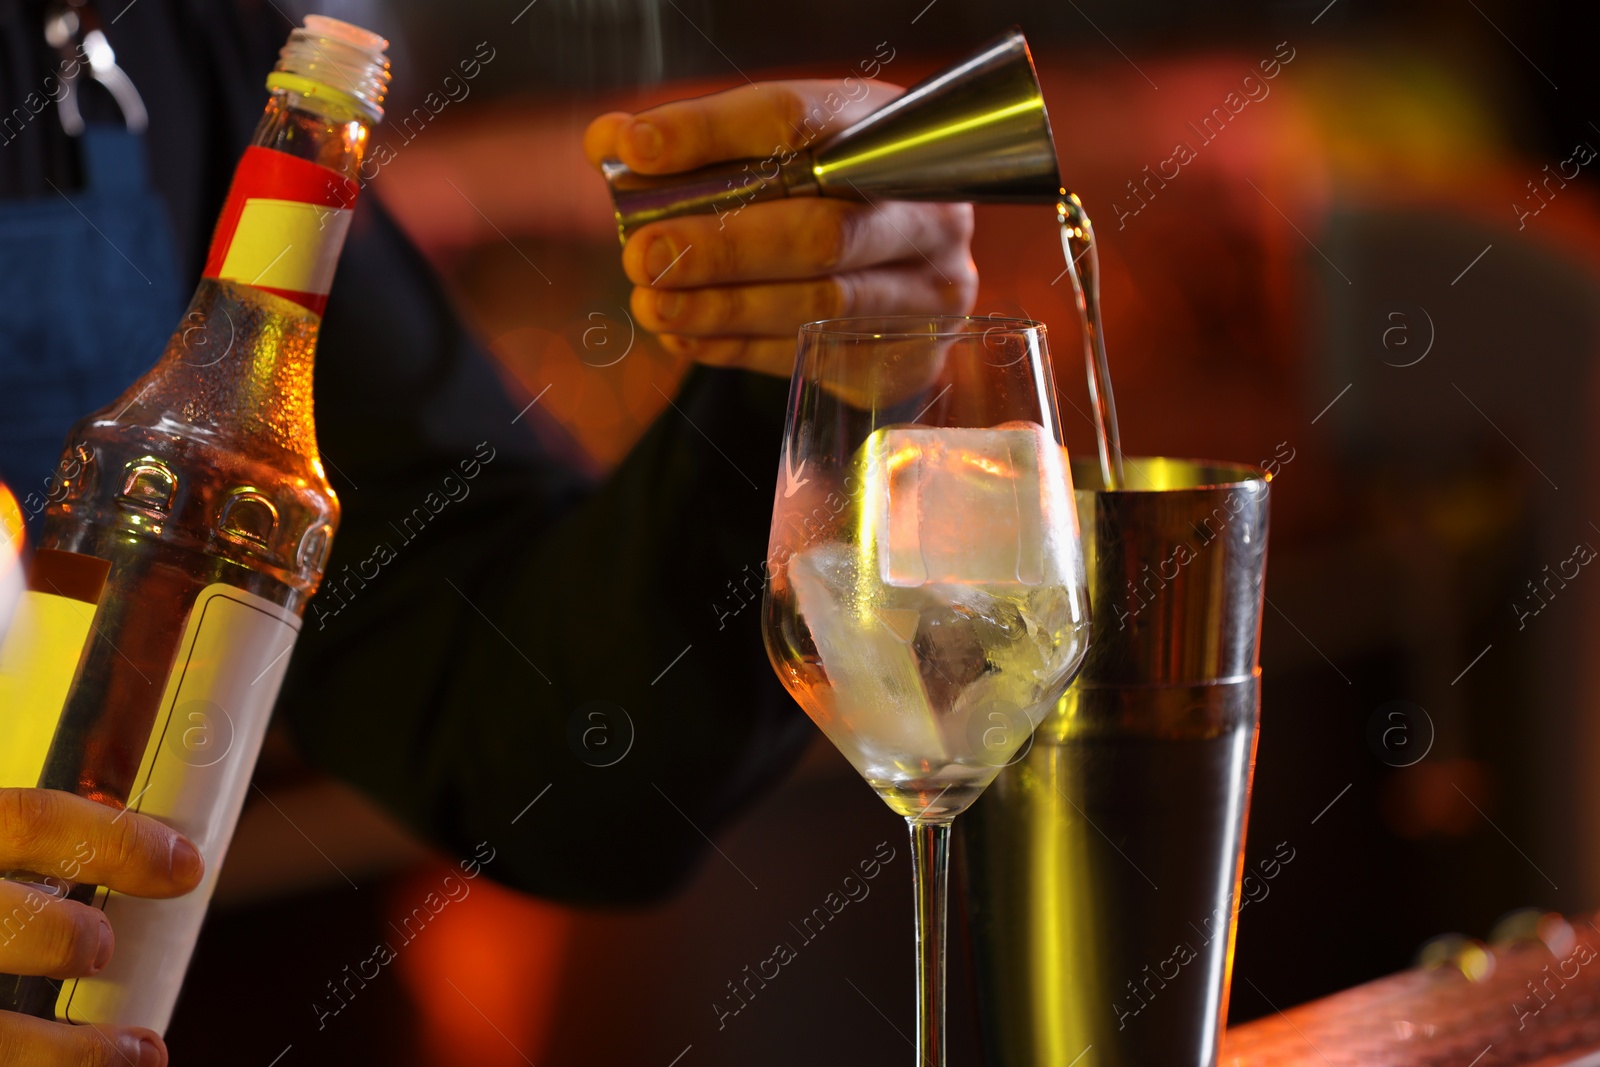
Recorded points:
(869, 659)
(966, 506)
(1031, 640)
(949, 651)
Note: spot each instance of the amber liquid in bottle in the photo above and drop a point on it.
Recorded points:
(204, 473)
(210, 476)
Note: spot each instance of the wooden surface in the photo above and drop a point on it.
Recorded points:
(1538, 1004)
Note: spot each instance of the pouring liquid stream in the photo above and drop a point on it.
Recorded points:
(1083, 266)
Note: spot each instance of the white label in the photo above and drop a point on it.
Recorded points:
(194, 778)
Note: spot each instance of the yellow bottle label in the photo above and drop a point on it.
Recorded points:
(282, 226)
(39, 658)
(286, 244)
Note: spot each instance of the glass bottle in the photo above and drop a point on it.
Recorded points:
(191, 528)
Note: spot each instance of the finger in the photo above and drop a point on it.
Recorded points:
(62, 835)
(29, 1042)
(600, 139)
(46, 935)
(768, 355)
(781, 308)
(788, 239)
(752, 121)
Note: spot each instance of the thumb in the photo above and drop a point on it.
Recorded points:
(600, 140)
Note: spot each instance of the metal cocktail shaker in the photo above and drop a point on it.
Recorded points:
(976, 131)
(1102, 867)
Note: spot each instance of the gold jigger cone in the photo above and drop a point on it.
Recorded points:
(976, 131)
(1102, 868)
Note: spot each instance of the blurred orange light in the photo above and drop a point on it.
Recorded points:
(484, 974)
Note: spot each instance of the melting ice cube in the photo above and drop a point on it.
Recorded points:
(867, 651)
(967, 506)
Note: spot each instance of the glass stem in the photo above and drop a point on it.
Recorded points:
(930, 866)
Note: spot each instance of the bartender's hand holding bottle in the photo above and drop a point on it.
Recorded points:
(68, 838)
(731, 290)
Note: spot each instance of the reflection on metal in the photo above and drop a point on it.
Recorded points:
(975, 132)
(1101, 871)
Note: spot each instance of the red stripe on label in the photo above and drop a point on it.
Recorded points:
(317, 302)
(264, 173)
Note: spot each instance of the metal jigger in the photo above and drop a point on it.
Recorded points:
(974, 132)
(1140, 779)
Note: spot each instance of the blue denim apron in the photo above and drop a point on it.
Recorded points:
(89, 293)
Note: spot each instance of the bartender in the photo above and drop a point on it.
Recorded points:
(409, 692)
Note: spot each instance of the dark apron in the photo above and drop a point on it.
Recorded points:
(89, 293)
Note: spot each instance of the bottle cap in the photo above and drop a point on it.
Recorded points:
(335, 61)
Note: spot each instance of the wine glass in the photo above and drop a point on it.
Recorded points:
(925, 598)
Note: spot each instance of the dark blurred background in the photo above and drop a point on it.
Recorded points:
(1376, 277)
